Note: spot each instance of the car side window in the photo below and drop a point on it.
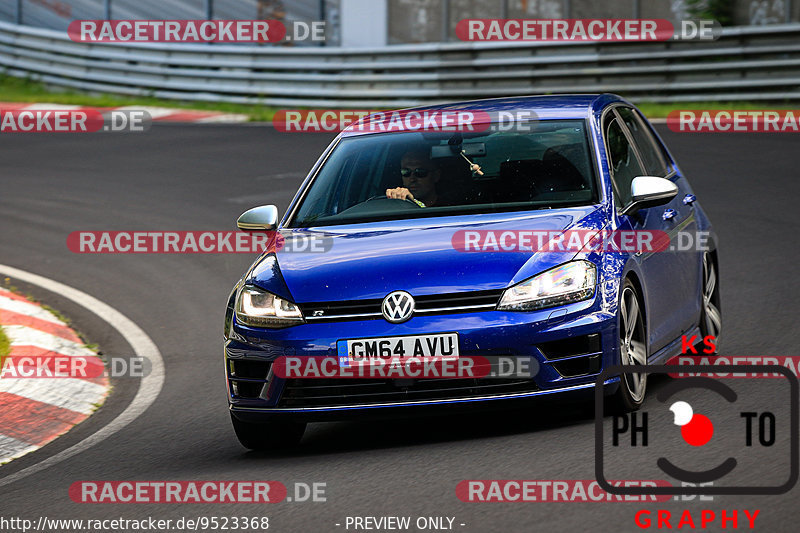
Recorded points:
(622, 161)
(653, 161)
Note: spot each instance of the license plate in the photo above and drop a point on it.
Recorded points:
(439, 346)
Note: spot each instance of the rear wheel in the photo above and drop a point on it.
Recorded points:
(633, 350)
(268, 435)
(711, 317)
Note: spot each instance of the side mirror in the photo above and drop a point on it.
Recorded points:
(650, 191)
(262, 218)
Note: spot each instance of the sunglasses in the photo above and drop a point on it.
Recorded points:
(418, 172)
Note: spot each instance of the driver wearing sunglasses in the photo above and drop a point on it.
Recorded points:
(420, 176)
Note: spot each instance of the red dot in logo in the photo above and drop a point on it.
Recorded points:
(698, 431)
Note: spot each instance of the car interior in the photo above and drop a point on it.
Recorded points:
(543, 169)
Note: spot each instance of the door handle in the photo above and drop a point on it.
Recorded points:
(689, 199)
(669, 214)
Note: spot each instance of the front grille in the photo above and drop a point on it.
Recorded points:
(329, 310)
(578, 366)
(333, 392)
(574, 356)
(570, 347)
(431, 304)
(458, 299)
(248, 377)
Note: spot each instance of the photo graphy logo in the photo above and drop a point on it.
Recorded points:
(696, 430)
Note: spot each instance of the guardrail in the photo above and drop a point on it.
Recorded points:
(746, 63)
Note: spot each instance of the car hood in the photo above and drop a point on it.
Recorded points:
(368, 261)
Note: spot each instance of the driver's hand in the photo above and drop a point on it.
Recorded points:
(399, 193)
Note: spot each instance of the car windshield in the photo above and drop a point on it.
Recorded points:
(546, 166)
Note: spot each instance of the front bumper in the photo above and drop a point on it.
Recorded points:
(572, 344)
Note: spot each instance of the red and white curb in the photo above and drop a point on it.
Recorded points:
(158, 114)
(36, 410)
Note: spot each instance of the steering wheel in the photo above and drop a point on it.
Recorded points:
(384, 197)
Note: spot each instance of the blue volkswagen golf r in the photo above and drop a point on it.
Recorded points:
(390, 204)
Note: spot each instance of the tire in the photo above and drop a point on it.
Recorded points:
(268, 435)
(711, 314)
(633, 350)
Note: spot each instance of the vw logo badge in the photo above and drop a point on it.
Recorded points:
(398, 306)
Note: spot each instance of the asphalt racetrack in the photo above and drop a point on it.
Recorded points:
(182, 177)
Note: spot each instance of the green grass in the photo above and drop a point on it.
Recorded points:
(65, 319)
(25, 90)
(5, 346)
(55, 312)
(652, 110)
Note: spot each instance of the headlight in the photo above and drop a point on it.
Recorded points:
(259, 308)
(564, 284)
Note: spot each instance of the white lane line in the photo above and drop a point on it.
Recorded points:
(154, 112)
(25, 308)
(140, 342)
(27, 336)
(74, 394)
(11, 448)
(226, 118)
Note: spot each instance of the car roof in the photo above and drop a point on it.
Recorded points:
(559, 106)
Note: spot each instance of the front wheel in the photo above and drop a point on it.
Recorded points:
(272, 435)
(633, 350)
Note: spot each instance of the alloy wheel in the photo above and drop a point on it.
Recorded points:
(633, 348)
(712, 317)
